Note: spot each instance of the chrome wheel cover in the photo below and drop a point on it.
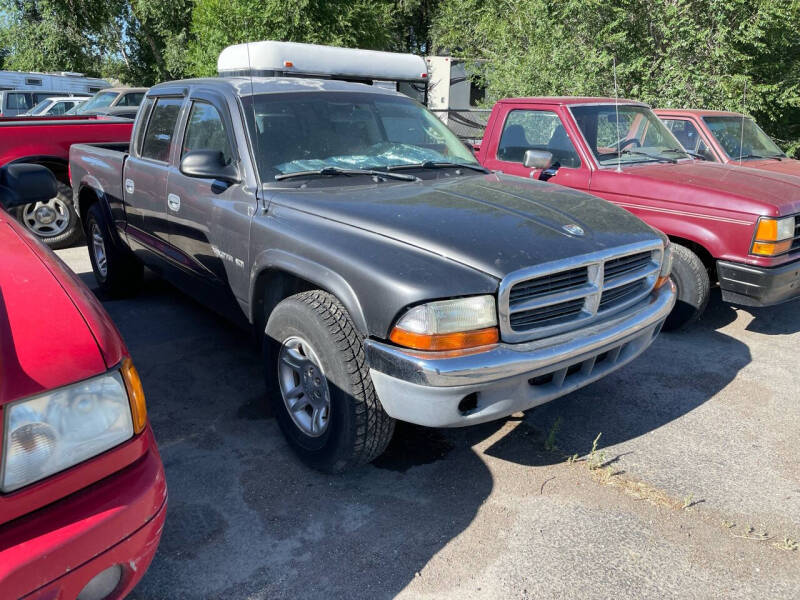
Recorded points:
(47, 219)
(304, 387)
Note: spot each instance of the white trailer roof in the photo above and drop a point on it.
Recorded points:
(290, 58)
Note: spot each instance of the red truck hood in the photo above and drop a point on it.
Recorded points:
(754, 191)
(52, 330)
(787, 166)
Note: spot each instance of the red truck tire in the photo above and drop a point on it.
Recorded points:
(55, 222)
(694, 288)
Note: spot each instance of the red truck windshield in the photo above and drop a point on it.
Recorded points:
(639, 136)
(346, 130)
(741, 136)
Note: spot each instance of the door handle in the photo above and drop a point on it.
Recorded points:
(174, 202)
(129, 187)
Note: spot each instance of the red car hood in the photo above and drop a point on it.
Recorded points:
(787, 166)
(52, 329)
(759, 192)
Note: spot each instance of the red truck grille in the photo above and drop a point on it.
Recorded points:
(556, 297)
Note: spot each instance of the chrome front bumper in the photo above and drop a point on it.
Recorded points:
(436, 391)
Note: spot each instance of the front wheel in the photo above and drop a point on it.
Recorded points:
(53, 221)
(693, 285)
(319, 386)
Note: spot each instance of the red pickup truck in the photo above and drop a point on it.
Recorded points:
(46, 142)
(82, 488)
(736, 226)
(727, 137)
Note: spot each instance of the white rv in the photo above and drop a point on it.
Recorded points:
(20, 91)
(455, 98)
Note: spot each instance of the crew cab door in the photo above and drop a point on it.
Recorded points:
(209, 219)
(522, 128)
(144, 178)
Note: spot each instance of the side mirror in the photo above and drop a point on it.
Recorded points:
(537, 159)
(208, 164)
(22, 184)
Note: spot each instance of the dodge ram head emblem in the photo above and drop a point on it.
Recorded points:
(573, 229)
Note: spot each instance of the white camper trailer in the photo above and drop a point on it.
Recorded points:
(20, 91)
(455, 98)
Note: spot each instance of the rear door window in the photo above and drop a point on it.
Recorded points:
(158, 137)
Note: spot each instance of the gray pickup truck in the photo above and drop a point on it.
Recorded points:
(388, 274)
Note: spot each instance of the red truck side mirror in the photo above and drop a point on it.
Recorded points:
(537, 159)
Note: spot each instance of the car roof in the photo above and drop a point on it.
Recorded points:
(247, 86)
(570, 100)
(696, 112)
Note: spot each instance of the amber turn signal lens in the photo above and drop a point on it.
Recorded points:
(135, 395)
(771, 248)
(445, 341)
(767, 230)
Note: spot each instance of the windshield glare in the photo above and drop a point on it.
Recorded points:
(641, 137)
(741, 136)
(100, 100)
(308, 131)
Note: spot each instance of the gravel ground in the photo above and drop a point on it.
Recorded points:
(696, 493)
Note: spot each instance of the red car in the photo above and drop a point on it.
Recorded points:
(727, 137)
(738, 227)
(82, 488)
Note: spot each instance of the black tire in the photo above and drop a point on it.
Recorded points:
(61, 233)
(694, 288)
(358, 429)
(123, 271)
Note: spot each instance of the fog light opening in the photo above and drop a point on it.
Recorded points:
(468, 403)
(102, 585)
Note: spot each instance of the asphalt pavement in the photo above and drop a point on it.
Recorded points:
(693, 490)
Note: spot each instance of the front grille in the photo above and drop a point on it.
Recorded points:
(617, 267)
(796, 242)
(549, 299)
(548, 284)
(619, 295)
(554, 313)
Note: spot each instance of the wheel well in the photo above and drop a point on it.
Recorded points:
(703, 254)
(86, 198)
(272, 287)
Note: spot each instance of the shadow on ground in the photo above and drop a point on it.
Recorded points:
(247, 520)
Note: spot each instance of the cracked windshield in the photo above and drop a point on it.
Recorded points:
(346, 131)
(640, 137)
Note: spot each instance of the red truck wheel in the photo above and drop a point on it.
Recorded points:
(694, 288)
(55, 221)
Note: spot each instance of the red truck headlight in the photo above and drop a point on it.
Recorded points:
(773, 236)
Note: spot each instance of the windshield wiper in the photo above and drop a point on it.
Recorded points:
(332, 171)
(648, 155)
(432, 164)
(772, 156)
(688, 152)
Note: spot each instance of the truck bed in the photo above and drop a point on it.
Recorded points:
(101, 163)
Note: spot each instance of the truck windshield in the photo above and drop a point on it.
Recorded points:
(640, 136)
(308, 131)
(741, 136)
(40, 108)
(98, 101)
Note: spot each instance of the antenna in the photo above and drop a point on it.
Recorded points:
(741, 135)
(255, 133)
(616, 110)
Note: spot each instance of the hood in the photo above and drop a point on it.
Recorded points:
(44, 340)
(493, 223)
(741, 189)
(786, 166)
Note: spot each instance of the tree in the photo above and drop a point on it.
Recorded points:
(700, 53)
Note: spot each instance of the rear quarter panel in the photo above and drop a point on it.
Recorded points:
(99, 170)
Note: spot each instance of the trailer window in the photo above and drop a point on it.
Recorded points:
(32, 81)
(157, 141)
(18, 101)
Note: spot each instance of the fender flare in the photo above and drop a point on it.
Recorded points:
(313, 272)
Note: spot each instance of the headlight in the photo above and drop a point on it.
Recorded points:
(448, 324)
(61, 428)
(666, 266)
(773, 236)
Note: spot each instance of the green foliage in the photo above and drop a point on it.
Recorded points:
(675, 53)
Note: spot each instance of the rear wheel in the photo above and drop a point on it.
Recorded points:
(53, 221)
(694, 288)
(117, 271)
(319, 386)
